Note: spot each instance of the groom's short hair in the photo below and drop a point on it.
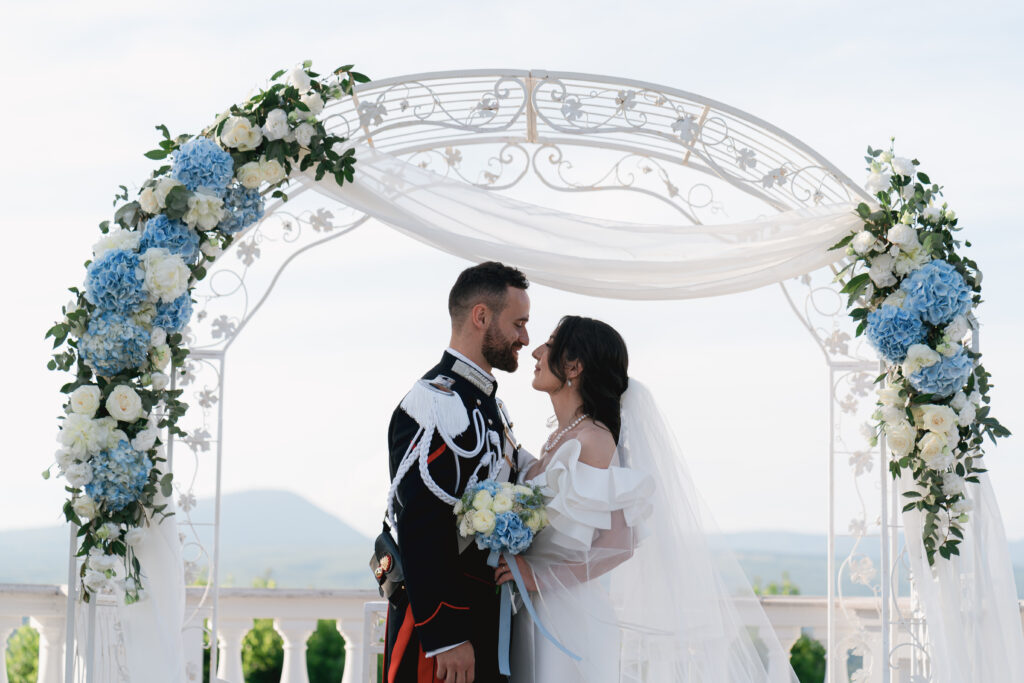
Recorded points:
(485, 283)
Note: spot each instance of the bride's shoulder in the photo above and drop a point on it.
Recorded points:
(597, 446)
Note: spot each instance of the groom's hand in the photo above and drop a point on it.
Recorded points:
(457, 665)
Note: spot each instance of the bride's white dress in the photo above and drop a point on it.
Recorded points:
(628, 579)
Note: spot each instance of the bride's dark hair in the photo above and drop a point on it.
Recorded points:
(602, 353)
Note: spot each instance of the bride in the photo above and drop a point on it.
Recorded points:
(626, 576)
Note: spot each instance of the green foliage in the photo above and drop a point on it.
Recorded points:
(807, 657)
(784, 587)
(23, 655)
(262, 653)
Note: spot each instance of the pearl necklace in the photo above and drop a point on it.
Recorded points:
(558, 437)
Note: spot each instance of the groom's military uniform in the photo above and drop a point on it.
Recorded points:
(450, 596)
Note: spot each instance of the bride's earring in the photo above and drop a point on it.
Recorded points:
(569, 382)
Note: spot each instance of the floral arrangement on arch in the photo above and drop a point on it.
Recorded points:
(914, 296)
(122, 331)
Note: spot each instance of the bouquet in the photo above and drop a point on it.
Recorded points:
(503, 516)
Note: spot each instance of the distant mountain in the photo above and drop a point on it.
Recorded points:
(301, 546)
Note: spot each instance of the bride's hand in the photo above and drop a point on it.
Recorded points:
(503, 574)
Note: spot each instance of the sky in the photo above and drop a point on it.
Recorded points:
(312, 382)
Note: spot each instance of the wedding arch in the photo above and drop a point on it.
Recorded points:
(433, 156)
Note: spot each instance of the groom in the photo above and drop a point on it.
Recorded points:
(444, 625)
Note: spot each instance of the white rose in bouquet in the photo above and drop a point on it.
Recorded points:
(250, 175)
(880, 271)
(314, 102)
(148, 201)
(890, 395)
(204, 210)
(903, 235)
(903, 166)
(211, 250)
(957, 330)
(163, 188)
(272, 171)
(79, 436)
(124, 404)
(935, 451)
(900, 436)
(240, 133)
(85, 400)
(166, 275)
(503, 502)
(160, 381)
(304, 134)
(931, 213)
(953, 484)
(85, 507)
(116, 239)
(919, 356)
(958, 401)
(276, 126)
(145, 439)
(482, 500)
(79, 474)
(910, 260)
(533, 521)
(891, 414)
(862, 242)
(299, 79)
(483, 521)
(938, 418)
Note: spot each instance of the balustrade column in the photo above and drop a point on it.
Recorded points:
(787, 638)
(8, 625)
(51, 648)
(230, 633)
(352, 631)
(294, 633)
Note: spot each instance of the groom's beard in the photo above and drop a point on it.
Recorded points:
(499, 353)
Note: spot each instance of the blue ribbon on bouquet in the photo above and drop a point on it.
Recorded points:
(505, 614)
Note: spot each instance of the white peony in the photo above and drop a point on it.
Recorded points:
(953, 484)
(966, 417)
(862, 242)
(163, 188)
(934, 449)
(250, 175)
(298, 78)
(502, 502)
(148, 201)
(276, 126)
(957, 330)
(204, 210)
(158, 337)
(903, 166)
(910, 260)
(124, 404)
(482, 500)
(903, 235)
(878, 181)
(145, 439)
(900, 436)
(483, 521)
(939, 419)
(238, 132)
(79, 435)
(304, 134)
(84, 506)
(272, 171)
(881, 271)
(919, 356)
(166, 275)
(314, 102)
(116, 239)
(160, 381)
(79, 474)
(134, 535)
(160, 356)
(85, 399)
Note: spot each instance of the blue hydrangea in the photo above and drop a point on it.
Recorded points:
(118, 476)
(114, 281)
(488, 485)
(893, 330)
(945, 377)
(113, 342)
(173, 316)
(243, 208)
(201, 163)
(163, 233)
(937, 293)
(509, 534)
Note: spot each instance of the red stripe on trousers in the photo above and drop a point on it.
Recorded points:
(401, 642)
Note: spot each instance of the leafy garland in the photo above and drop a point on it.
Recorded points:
(122, 330)
(914, 296)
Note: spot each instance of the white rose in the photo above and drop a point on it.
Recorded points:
(483, 521)
(938, 418)
(967, 415)
(94, 581)
(298, 78)
(147, 200)
(79, 474)
(961, 506)
(124, 404)
(163, 188)
(85, 399)
(304, 134)
(145, 439)
(953, 484)
(890, 395)
(919, 356)
(903, 166)
(950, 214)
(78, 435)
(959, 401)
(211, 250)
(276, 126)
(238, 132)
(881, 271)
(523, 490)
(934, 450)
(250, 175)
(85, 507)
(900, 436)
(314, 102)
(957, 330)
(533, 522)
(134, 535)
(116, 239)
(166, 275)
(903, 235)
(160, 381)
(482, 500)
(907, 192)
(160, 356)
(909, 261)
(891, 414)
(502, 503)
(272, 171)
(204, 210)
(931, 213)
(862, 242)
(878, 181)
